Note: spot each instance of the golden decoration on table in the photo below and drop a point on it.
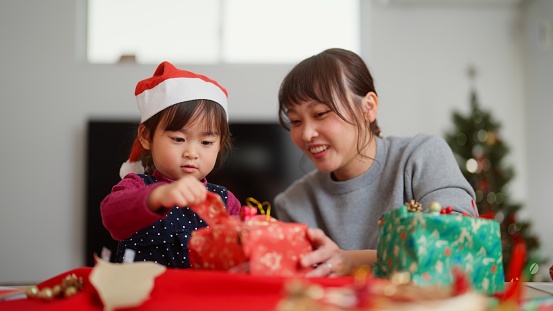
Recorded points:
(413, 206)
(370, 294)
(68, 287)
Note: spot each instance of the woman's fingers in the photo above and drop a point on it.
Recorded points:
(320, 270)
(326, 256)
(321, 252)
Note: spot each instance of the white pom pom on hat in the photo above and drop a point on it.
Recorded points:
(169, 86)
(133, 164)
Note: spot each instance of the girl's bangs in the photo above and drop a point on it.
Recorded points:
(198, 111)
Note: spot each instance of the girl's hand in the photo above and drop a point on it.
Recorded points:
(186, 191)
(328, 258)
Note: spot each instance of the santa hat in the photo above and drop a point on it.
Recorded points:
(169, 86)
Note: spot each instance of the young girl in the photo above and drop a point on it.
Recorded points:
(329, 104)
(183, 134)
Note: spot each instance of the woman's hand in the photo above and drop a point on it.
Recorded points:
(327, 258)
(186, 191)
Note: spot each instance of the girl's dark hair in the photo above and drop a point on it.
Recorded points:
(332, 77)
(175, 117)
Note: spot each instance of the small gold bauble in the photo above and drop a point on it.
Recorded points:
(69, 286)
(70, 291)
(46, 294)
(400, 278)
(435, 207)
(56, 290)
(389, 290)
(32, 292)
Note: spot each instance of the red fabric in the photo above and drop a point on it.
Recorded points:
(137, 151)
(514, 292)
(487, 216)
(212, 290)
(165, 71)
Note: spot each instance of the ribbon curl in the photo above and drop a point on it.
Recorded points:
(264, 207)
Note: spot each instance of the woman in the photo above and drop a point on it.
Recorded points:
(329, 104)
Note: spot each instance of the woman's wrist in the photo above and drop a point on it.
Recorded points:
(359, 258)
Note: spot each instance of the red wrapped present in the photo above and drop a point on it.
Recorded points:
(258, 244)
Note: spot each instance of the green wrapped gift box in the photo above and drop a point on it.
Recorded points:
(428, 246)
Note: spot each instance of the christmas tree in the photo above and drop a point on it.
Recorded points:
(480, 152)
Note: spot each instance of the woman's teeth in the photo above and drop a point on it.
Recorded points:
(318, 149)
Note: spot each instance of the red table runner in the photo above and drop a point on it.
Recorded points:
(181, 289)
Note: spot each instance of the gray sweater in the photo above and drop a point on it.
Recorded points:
(420, 168)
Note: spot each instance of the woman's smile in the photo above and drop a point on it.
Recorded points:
(318, 149)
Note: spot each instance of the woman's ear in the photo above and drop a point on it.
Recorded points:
(370, 106)
(143, 136)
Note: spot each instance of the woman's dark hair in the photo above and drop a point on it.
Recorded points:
(175, 117)
(333, 77)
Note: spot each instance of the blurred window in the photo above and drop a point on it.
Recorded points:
(218, 31)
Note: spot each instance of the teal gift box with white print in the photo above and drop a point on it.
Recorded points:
(429, 246)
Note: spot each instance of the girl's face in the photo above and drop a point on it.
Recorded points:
(192, 150)
(328, 141)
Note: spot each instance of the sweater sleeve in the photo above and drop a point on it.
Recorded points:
(233, 204)
(124, 210)
(433, 175)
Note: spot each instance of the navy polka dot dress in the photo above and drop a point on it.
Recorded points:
(166, 241)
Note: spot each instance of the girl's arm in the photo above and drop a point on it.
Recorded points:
(124, 210)
(132, 205)
(233, 204)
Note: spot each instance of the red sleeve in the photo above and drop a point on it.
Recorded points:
(233, 204)
(124, 210)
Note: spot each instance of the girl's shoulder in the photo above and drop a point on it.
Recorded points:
(132, 178)
(216, 188)
(130, 181)
(147, 179)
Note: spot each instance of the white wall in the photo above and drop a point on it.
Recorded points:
(538, 111)
(418, 56)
